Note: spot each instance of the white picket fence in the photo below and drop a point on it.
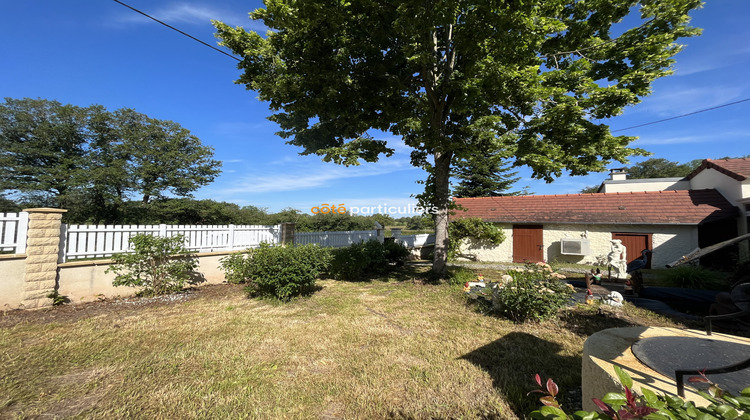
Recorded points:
(100, 241)
(13, 228)
(93, 241)
(335, 239)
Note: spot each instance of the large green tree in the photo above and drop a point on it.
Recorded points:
(90, 160)
(42, 149)
(535, 76)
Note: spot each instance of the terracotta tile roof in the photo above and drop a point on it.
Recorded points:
(682, 207)
(738, 169)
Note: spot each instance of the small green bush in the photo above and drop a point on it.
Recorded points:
(692, 277)
(158, 265)
(535, 293)
(360, 260)
(279, 272)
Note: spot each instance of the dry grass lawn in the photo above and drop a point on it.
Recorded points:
(382, 349)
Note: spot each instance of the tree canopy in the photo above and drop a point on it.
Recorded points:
(90, 160)
(534, 79)
(661, 168)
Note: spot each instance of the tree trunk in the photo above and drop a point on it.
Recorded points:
(442, 202)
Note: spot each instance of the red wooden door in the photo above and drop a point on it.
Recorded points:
(528, 245)
(635, 243)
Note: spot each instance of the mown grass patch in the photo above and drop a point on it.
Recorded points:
(380, 349)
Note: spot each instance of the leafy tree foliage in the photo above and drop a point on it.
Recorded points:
(90, 160)
(422, 222)
(590, 190)
(42, 149)
(450, 77)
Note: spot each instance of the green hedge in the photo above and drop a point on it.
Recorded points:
(279, 272)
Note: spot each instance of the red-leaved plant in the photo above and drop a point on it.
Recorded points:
(631, 407)
(550, 399)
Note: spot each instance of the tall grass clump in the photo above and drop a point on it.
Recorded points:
(692, 277)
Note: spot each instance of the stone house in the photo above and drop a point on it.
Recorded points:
(672, 216)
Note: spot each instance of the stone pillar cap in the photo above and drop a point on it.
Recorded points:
(44, 210)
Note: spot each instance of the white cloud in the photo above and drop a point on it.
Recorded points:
(681, 101)
(285, 160)
(712, 138)
(308, 175)
(194, 14)
(187, 13)
(731, 53)
(176, 13)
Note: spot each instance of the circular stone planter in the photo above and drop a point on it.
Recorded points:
(607, 348)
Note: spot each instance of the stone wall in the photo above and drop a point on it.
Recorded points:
(42, 251)
(28, 279)
(669, 242)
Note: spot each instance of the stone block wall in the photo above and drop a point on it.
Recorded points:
(42, 251)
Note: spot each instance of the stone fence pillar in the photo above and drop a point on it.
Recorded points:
(287, 233)
(42, 248)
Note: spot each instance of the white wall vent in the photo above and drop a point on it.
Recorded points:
(571, 246)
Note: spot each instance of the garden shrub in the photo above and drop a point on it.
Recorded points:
(158, 265)
(396, 253)
(358, 261)
(279, 272)
(535, 293)
(628, 405)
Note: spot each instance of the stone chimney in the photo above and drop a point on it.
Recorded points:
(618, 174)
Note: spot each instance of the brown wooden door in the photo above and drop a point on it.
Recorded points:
(528, 245)
(635, 243)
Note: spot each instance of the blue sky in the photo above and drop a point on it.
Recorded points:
(87, 52)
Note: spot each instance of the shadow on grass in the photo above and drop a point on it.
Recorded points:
(513, 360)
(407, 272)
(587, 320)
(398, 273)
